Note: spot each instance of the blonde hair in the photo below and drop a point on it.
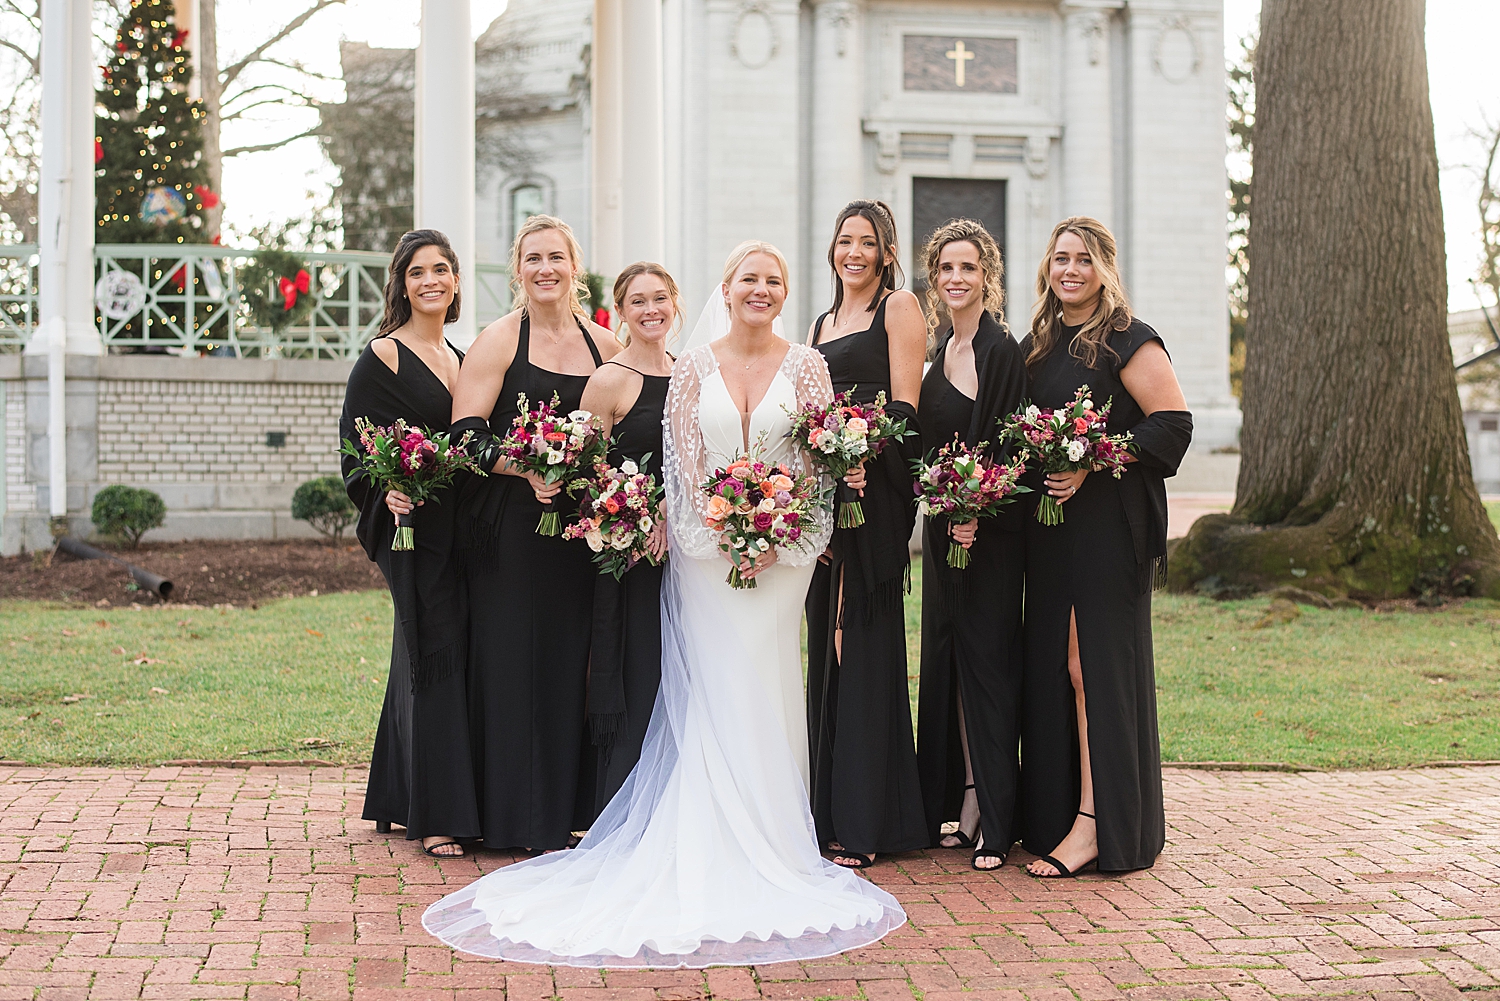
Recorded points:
(738, 254)
(1112, 312)
(990, 262)
(622, 288)
(538, 224)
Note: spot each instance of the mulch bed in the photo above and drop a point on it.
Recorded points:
(240, 572)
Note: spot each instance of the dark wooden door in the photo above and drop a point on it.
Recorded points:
(936, 200)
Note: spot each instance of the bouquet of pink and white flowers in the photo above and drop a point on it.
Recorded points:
(412, 460)
(840, 435)
(557, 447)
(755, 505)
(1065, 440)
(962, 484)
(617, 518)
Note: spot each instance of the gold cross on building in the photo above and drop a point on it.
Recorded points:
(959, 55)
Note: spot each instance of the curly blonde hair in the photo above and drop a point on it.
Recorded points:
(1112, 312)
(622, 288)
(990, 261)
(538, 224)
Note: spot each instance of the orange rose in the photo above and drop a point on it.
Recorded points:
(718, 509)
(767, 488)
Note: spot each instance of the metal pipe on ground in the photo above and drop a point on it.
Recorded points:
(154, 583)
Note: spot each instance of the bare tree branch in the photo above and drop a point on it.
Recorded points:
(31, 60)
(229, 73)
(240, 112)
(263, 147)
(298, 67)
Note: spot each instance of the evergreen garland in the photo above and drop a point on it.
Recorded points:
(149, 135)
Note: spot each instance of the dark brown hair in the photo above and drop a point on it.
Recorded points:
(880, 217)
(990, 260)
(397, 305)
(1112, 312)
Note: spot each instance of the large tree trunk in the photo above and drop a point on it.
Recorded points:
(212, 91)
(1355, 475)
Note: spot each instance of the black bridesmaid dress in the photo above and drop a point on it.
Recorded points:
(625, 664)
(971, 618)
(420, 776)
(866, 793)
(1100, 563)
(531, 600)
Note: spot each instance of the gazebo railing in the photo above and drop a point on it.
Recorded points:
(192, 300)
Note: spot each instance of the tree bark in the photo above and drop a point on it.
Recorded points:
(1355, 474)
(212, 90)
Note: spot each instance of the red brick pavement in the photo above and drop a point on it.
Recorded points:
(262, 884)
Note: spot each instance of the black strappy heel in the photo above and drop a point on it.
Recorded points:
(1063, 872)
(965, 841)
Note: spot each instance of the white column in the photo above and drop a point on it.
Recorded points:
(444, 190)
(1088, 173)
(66, 220)
(837, 133)
(607, 253)
(642, 154)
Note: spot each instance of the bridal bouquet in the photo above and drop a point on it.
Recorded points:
(555, 446)
(842, 434)
(617, 518)
(409, 459)
(755, 505)
(962, 484)
(1065, 440)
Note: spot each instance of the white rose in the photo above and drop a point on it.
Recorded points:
(1076, 449)
(1088, 404)
(629, 468)
(1033, 412)
(595, 539)
(768, 505)
(553, 458)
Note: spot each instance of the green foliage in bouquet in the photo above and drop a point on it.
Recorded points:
(127, 513)
(324, 504)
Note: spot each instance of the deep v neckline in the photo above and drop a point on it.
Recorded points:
(746, 419)
(447, 390)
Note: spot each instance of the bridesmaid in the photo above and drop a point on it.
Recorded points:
(629, 393)
(531, 595)
(420, 776)
(969, 706)
(1092, 784)
(866, 794)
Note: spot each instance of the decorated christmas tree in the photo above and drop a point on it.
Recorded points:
(151, 184)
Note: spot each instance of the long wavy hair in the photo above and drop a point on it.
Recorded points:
(880, 217)
(538, 224)
(990, 262)
(397, 305)
(622, 289)
(1110, 314)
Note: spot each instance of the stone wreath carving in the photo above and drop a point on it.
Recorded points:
(1169, 26)
(750, 59)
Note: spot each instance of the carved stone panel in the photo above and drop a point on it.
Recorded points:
(955, 63)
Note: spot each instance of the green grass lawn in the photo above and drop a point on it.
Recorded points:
(304, 678)
(1494, 509)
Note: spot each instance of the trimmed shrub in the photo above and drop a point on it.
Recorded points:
(324, 505)
(127, 513)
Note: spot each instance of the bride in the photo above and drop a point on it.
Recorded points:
(707, 855)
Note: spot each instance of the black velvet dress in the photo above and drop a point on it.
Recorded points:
(625, 664)
(1099, 563)
(531, 600)
(971, 618)
(866, 794)
(420, 775)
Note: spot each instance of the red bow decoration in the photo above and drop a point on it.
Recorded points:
(207, 197)
(98, 149)
(289, 288)
(179, 38)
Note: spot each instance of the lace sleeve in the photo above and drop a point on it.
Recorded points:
(684, 464)
(809, 374)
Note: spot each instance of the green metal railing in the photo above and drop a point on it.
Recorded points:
(192, 300)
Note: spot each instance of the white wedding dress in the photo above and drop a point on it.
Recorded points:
(707, 855)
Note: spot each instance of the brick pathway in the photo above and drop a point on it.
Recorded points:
(261, 884)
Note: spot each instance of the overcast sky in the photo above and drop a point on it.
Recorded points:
(1461, 38)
